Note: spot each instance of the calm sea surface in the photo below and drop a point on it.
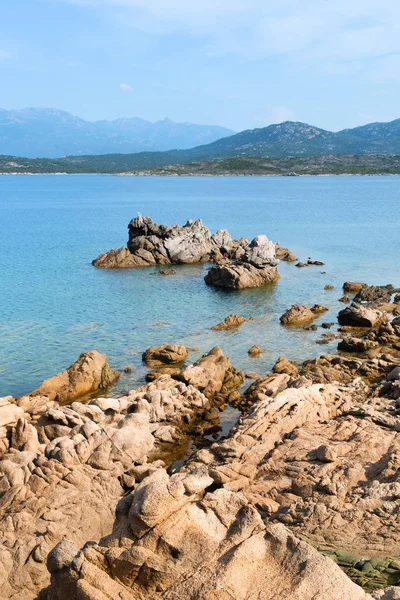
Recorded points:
(54, 304)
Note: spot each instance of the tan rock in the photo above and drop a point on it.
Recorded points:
(88, 374)
(353, 287)
(230, 322)
(166, 354)
(299, 315)
(254, 351)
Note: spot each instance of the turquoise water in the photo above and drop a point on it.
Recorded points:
(54, 304)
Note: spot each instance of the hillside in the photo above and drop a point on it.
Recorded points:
(36, 132)
(128, 164)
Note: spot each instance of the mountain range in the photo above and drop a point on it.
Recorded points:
(288, 139)
(47, 132)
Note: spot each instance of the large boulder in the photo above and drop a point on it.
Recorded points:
(358, 315)
(255, 268)
(212, 374)
(88, 374)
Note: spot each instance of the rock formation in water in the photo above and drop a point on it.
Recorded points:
(298, 315)
(152, 244)
(255, 268)
(88, 374)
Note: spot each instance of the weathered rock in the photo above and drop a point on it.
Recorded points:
(284, 254)
(166, 354)
(240, 276)
(254, 351)
(212, 374)
(358, 315)
(317, 263)
(88, 374)
(67, 468)
(353, 287)
(345, 299)
(119, 258)
(283, 365)
(153, 244)
(230, 322)
(329, 287)
(173, 539)
(300, 315)
(374, 294)
(256, 267)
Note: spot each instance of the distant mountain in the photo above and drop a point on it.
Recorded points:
(300, 139)
(47, 132)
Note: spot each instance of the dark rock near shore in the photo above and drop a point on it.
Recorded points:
(353, 287)
(358, 315)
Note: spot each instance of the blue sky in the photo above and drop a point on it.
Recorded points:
(237, 63)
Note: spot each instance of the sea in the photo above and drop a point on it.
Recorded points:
(54, 304)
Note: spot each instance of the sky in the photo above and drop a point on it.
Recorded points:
(237, 63)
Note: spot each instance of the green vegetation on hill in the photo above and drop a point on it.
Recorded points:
(157, 163)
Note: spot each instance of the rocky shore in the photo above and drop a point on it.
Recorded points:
(130, 497)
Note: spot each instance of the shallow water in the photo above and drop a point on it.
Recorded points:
(54, 304)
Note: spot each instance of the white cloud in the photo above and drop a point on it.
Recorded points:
(125, 87)
(308, 30)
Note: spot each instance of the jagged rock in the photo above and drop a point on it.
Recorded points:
(174, 539)
(374, 294)
(284, 254)
(231, 321)
(153, 244)
(256, 267)
(254, 351)
(353, 287)
(345, 299)
(283, 365)
(358, 315)
(67, 468)
(299, 315)
(212, 374)
(88, 374)
(166, 354)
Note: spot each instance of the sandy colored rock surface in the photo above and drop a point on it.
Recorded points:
(230, 322)
(88, 374)
(166, 354)
(298, 315)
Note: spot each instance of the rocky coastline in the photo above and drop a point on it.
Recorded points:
(300, 500)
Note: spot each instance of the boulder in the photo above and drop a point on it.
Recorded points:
(254, 351)
(298, 315)
(353, 287)
(119, 258)
(240, 276)
(358, 315)
(88, 374)
(212, 374)
(284, 254)
(166, 354)
(283, 365)
(256, 267)
(374, 294)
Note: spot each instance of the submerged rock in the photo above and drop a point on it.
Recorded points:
(230, 322)
(254, 351)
